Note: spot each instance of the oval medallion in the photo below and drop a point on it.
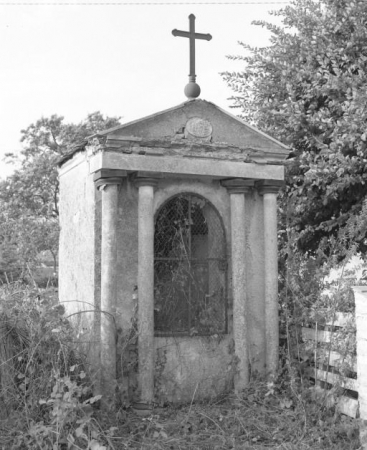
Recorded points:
(199, 128)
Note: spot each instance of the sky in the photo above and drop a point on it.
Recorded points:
(118, 57)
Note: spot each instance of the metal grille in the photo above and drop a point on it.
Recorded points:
(190, 268)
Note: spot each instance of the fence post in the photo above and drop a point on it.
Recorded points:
(360, 296)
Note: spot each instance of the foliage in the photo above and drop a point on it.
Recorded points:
(309, 89)
(67, 419)
(48, 402)
(29, 197)
(8, 258)
(46, 396)
(265, 415)
(128, 357)
(313, 290)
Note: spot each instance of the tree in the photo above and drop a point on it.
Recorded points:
(29, 197)
(308, 88)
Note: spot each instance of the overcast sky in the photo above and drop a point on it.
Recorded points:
(121, 59)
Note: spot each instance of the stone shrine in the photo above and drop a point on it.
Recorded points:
(169, 228)
(210, 182)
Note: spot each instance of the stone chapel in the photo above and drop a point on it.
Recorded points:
(169, 224)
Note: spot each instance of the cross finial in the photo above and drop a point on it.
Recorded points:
(192, 90)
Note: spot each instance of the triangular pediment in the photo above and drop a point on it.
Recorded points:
(198, 121)
(197, 129)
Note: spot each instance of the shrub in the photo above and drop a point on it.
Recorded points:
(44, 388)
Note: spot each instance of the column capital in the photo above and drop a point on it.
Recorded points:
(104, 177)
(238, 185)
(146, 181)
(269, 186)
(107, 181)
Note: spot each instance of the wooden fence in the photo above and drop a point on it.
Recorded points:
(360, 297)
(346, 369)
(332, 346)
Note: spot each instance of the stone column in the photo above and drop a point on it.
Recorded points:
(109, 188)
(269, 190)
(237, 189)
(146, 288)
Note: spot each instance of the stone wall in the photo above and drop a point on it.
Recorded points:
(127, 253)
(77, 248)
(193, 368)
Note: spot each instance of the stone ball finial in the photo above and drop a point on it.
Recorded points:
(192, 90)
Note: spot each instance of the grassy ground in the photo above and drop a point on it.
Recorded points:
(252, 421)
(45, 399)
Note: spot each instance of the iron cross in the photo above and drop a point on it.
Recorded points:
(192, 36)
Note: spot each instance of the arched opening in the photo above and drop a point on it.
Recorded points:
(190, 268)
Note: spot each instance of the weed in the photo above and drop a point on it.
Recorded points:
(45, 391)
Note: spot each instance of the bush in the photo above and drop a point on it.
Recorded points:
(44, 388)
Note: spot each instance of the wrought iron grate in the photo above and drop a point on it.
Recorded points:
(190, 268)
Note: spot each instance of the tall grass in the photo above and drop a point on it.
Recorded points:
(44, 390)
